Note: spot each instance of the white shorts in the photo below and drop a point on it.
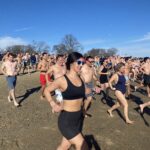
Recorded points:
(58, 95)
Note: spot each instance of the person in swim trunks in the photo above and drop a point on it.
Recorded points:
(120, 90)
(73, 92)
(43, 68)
(145, 68)
(9, 69)
(88, 74)
(58, 70)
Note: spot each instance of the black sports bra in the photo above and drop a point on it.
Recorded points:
(73, 92)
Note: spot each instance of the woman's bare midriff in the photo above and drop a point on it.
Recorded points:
(72, 105)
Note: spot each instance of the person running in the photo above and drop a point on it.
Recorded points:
(5, 57)
(73, 92)
(33, 62)
(26, 63)
(127, 69)
(58, 70)
(103, 71)
(19, 62)
(88, 74)
(9, 69)
(145, 68)
(120, 90)
(43, 68)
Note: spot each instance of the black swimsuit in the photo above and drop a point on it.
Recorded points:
(103, 77)
(70, 123)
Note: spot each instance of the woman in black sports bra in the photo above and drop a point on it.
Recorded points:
(120, 90)
(73, 92)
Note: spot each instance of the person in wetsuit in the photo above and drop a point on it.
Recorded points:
(73, 92)
(120, 90)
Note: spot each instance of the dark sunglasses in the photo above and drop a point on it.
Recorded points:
(91, 61)
(79, 62)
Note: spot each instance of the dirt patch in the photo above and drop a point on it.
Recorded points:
(34, 127)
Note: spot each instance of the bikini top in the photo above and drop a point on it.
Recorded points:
(73, 92)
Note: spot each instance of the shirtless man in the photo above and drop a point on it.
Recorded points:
(88, 74)
(57, 70)
(26, 62)
(5, 57)
(43, 67)
(145, 68)
(9, 69)
(19, 61)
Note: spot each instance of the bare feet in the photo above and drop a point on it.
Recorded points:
(42, 97)
(16, 104)
(9, 99)
(110, 113)
(135, 88)
(129, 122)
(141, 108)
(87, 115)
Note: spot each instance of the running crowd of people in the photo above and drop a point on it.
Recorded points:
(69, 83)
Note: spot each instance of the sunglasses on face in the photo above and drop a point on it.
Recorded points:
(91, 61)
(80, 62)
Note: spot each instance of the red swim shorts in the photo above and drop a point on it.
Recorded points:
(43, 79)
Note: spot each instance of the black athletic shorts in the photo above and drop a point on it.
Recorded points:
(146, 79)
(70, 123)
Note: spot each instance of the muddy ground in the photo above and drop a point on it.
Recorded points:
(33, 127)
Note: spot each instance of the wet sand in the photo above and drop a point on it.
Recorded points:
(33, 127)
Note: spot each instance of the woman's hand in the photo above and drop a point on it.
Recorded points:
(55, 107)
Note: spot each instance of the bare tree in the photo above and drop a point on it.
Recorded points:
(15, 49)
(59, 49)
(112, 51)
(40, 46)
(71, 43)
(101, 52)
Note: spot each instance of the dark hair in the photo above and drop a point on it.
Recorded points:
(58, 56)
(44, 53)
(89, 57)
(118, 66)
(145, 59)
(72, 57)
(11, 54)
